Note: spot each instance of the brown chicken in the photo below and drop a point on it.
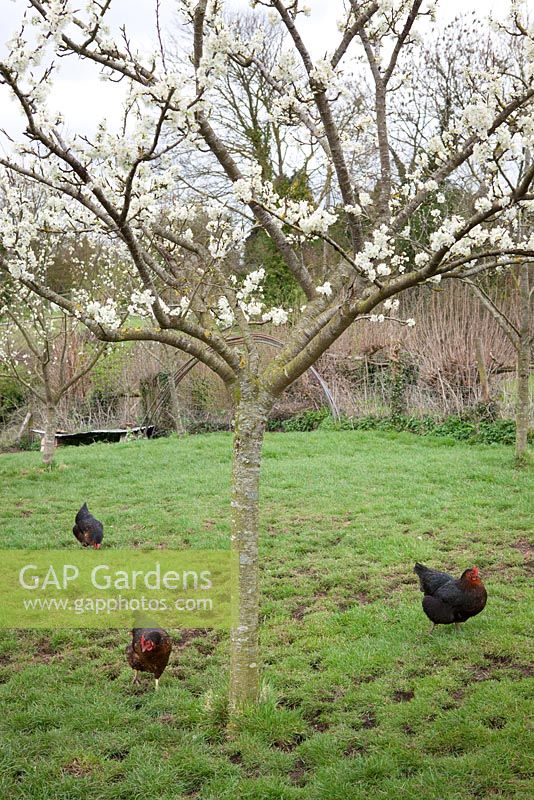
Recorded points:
(88, 530)
(447, 600)
(149, 652)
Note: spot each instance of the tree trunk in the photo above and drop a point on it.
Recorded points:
(522, 414)
(48, 442)
(250, 422)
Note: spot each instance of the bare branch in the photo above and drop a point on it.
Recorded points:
(360, 21)
(504, 323)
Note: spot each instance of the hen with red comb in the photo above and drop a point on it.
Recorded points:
(447, 600)
(149, 651)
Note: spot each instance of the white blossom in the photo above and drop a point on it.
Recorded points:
(325, 289)
(224, 312)
(478, 117)
(104, 313)
(483, 204)
(141, 302)
(355, 210)
(322, 73)
(278, 316)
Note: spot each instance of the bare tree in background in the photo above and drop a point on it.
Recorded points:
(36, 349)
(186, 280)
(519, 330)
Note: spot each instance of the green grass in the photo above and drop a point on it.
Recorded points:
(358, 701)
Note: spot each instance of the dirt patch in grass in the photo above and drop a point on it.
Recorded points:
(480, 674)
(409, 532)
(369, 719)
(112, 673)
(300, 612)
(44, 651)
(524, 547)
(118, 755)
(500, 664)
(360, 599)
(490, 673)
(288, 745)
(76, 769)
(527, 550)
(401, 696)
(354, 749)
(398, 581)
(304, 571)
(334, 694)
(206, 648)
(359, 679)
(498, 660)
(508, 568)
(297, 773)
(188, 634)
(318, 724)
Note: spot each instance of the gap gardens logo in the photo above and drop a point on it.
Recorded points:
(92, 589)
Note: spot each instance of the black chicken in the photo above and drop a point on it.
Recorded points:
(88, 530)
(149, 652)
(448, 600)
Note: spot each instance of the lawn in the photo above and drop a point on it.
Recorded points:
(358, 700)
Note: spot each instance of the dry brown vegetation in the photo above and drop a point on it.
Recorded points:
(131, 384)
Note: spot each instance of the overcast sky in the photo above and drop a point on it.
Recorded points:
(84, 99)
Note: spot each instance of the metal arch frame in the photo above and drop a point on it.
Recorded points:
(264, 338)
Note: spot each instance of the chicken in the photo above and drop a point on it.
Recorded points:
(149, 652)
(88, 530)
(447, 600)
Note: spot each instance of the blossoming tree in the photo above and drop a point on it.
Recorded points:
(177, 201)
